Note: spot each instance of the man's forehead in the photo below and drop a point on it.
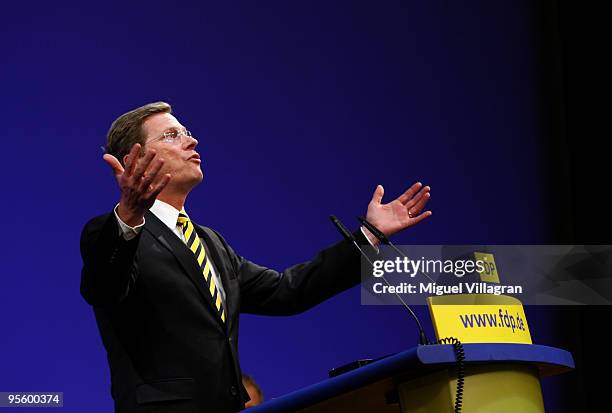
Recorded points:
(159, 123)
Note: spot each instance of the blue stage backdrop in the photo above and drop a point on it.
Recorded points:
(300, 109)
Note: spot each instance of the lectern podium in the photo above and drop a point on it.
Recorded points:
(499, 378)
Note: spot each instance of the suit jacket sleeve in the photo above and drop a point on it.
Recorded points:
(300, 287)
(108, 262)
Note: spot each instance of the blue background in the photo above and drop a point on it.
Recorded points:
(301, 109)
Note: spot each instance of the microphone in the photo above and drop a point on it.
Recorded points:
(457, 346)
(383, 238)
(375, 231)
(349, 237)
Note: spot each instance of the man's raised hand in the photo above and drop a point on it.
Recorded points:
(139, 181)
(401, 213)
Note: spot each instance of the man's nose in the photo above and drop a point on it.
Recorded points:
(189, 142)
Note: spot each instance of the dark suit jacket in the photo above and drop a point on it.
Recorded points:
(168, 350)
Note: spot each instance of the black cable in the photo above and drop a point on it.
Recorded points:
(460, 356)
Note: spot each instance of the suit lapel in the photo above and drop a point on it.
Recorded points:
(184, 256)
(221, 266)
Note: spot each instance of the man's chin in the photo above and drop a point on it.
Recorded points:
(198, 178)
(196, 174)
(187, 183)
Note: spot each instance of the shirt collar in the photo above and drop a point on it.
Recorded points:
(166, 213)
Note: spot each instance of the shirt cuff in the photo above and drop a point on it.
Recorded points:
(125, 230)
(368, 238)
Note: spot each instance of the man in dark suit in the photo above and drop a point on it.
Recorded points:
(167, 292)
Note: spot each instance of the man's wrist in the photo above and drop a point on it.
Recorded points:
(128, 217)
(371, 238)
(126, 231)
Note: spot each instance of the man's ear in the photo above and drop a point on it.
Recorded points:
(125, 159)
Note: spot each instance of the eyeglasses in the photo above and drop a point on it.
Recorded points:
(173, 136)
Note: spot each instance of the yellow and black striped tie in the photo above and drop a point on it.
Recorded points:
(195, 245)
